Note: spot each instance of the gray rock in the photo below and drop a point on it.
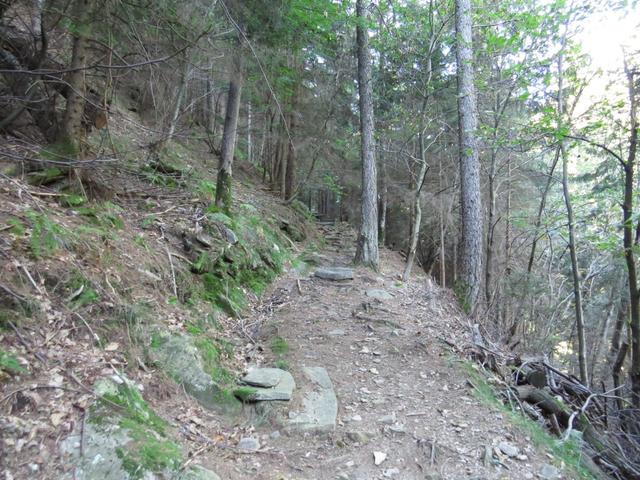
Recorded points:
(391, 472)
(334, 273)
(319, 404)
(249, 444)
(108, 441)
(198, 473)
(359, 437)
(180, 358)
(388, 419)
(549, 472)
(282, 391)
(263, 377)
(509, 449)
(381, 295)
(336, 333)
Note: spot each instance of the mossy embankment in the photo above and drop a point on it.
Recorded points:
(132, 265)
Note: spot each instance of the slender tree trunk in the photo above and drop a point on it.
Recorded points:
(470, 197)
(223, 184)
(71, 131)
(211, 105)
(490, 228)
(177, 106)
(575, 272)
(417, 211)
(249, 139)
(634, 294)
(290, 174)
(367, 247)
(382, 221)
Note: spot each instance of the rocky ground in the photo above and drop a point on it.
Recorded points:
(405, 408)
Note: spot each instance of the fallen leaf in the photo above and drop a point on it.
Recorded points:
(112, 347)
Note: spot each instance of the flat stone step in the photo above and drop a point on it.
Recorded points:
(334, 273)
(319, 406)
(268, 385)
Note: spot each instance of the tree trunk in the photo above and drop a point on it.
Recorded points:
(634, 295)
(382, 221)
(470, 198)
(575, 272)
(367, 247)
(249, 139)
(417, 211)
(223, 184)
(177, 106)
(71, 131)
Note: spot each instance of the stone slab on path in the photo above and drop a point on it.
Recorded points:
(379, 294)
(319, 404)
(334, 273)
(271, 384)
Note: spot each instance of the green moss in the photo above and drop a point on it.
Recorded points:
(245, 394)
(149, 448)
(147, 451)
(86, 297)
(134, 408)
(9, 364)
(282, 364)
(211, 355)
(279, 346)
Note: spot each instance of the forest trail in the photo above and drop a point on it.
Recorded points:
(401, 390)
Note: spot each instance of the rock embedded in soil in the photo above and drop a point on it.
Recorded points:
(319, 404)
(381, 295)
(549, 472)
(248, 444)
(509, 449)
(379, 457)
(334, 273)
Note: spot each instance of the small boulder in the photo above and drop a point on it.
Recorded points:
(334, 273)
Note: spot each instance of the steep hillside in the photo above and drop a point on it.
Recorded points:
(122, 288)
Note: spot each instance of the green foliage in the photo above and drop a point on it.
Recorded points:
(105, 215)
(206, 190)
(279, 346)
(17, 227)
(9, 364)
(245, 394)
(46, 235)
(72, 200)
(87, 295)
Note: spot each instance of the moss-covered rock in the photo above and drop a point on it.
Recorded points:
(124, 439)
(194, 363)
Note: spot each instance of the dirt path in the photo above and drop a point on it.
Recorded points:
(400, 390)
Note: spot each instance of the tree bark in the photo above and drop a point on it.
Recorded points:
(223, 184)
(71, 131)
(367, 246)
(470, 197)
(575, 272)
(627, 207)
(417, 211)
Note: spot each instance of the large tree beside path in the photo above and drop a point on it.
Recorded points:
(367, 247)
